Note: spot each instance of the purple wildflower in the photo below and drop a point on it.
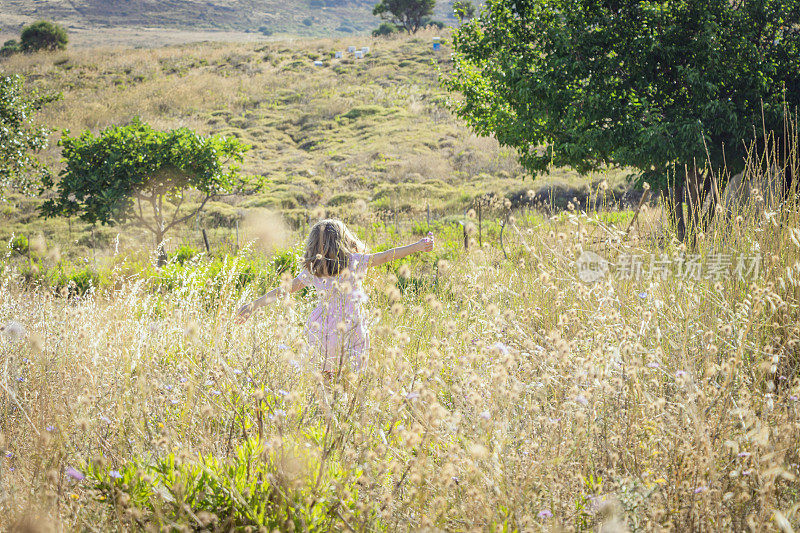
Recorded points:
(700, 489)
(74, 474)
(115, 474)
(652, 365)
(545, 513)
(581, 399)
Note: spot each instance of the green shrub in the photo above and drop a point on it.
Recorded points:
(247, 491)
(265, 31)
(385, 29)
(10, 47)
(286, 261)
(184, 253)
(43, 35)
(19, 244)
(307, 21)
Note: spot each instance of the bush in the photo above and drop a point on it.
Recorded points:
(286, 261)
(247, 491)
(265, 31)
(307, 21)
(184, 253)
(19, 244)
(385, 29)
(43, 35)
(9, 47)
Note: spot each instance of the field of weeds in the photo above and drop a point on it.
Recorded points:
(528, 386)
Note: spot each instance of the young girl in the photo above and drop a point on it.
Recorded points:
(335, 264)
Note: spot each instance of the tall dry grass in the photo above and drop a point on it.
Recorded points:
(505, 394)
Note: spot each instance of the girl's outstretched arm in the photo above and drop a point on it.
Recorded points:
(247, 309)
(381, 258)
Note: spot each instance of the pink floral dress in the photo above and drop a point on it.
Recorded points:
(336, 329)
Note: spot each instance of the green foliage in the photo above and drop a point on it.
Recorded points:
(286, 261)
(43, 35)
(19, 136)
(386, 28)
(250, 489)
(108, 178)
(184, 253)
(591, 83)
(265, 31)
(10, 47)
(410, 15)
(19, 244)
(464, 10)
(308, 21)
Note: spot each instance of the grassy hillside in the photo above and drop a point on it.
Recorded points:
(351, 135)
(297, 18)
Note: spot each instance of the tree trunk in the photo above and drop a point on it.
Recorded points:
(676, 209)
(161, 254)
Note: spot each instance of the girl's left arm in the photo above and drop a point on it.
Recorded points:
(247, 309)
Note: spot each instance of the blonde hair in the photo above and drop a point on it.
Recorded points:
(329, 246)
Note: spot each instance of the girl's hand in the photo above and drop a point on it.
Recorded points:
(426, 244)
(244, 313)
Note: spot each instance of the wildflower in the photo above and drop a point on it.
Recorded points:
(652, 365)
(209, 383)
(412, 395)
(174, 402)
(700, 489)
(20, 379)
(743, 454)
(9, 455)
(283, 392)
(680, 374)
(184, 380)
(115, 474)
(74, 474)
(553, 420)
(643, 295)
(105, 419)
(545, 513)
(216, 392)
(486, 415)
(237, 371)
(50, 428)
(581, 399)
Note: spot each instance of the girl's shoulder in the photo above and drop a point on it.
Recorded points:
(358, 262)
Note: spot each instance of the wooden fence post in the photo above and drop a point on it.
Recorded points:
(205, 241)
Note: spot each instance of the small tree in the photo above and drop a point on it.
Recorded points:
(43, 35)
(20, 137)
(137, 173)
(464, 10)
(410, 15)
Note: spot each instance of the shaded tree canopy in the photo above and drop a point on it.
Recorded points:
(651, 85)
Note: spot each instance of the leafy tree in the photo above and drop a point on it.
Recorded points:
(136, 173)
(410, 15)
(464, 10)
(20, 137)
(658, 86)
(10, 47)
(43, 35)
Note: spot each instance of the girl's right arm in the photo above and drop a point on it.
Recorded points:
(247, 309)
(381, 258)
